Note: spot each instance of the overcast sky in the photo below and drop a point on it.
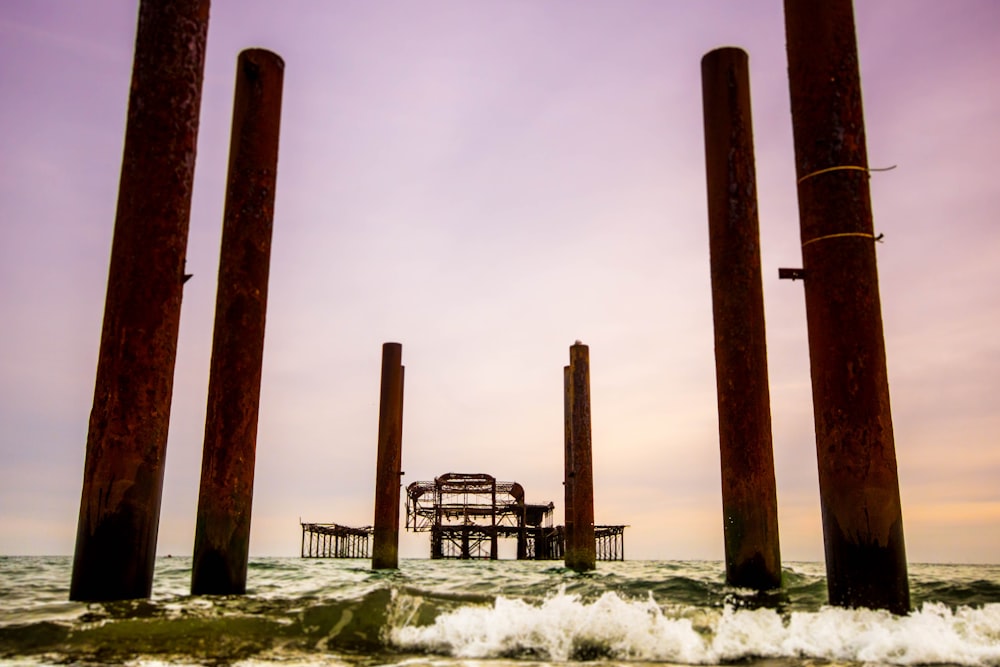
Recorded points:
(485, 182)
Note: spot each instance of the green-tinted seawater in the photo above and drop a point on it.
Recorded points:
(445, 613)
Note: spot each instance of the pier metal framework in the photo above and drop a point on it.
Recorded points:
(610, 542)
(331, 540)
(467, 514)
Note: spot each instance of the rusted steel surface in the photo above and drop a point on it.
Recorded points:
(399, 456)
(859, 487)
(385, 538)
(749, 498)
(127, 436)
(581, 553)
(222, 533)
(568, 452)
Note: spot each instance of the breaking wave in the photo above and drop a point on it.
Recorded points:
(564, 627)
(446, 614)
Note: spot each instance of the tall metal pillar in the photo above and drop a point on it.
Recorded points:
(581, 549)
(749, 498)
(385, 540)
(859, 485)
(568, 453)
(127, 437)
(222, 533)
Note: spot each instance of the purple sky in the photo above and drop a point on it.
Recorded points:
(486, 182)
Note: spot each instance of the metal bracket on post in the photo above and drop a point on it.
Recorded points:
(791, 274)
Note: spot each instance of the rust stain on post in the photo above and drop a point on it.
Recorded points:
(581, 552)
(385, 539)
(127, 436)
(749, 498)
(568, 454)
(222, 534)
(859, 486)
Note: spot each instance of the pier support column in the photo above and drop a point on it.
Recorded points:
(127, 437)
(581, 549)
(859, 486)
(749, 498)
(222, 533)
(385, 540)
(568, 453)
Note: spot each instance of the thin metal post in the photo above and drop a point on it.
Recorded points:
(385, 541)
(222, 532)
(568, 453)
(749, 497)
(859, 484)
(581, 551)
(127, 437)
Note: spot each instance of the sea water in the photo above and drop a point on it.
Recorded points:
(494, 614)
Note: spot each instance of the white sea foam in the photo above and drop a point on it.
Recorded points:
(563, 627)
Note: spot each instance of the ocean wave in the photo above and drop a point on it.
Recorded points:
(564, 627)
(456, 614)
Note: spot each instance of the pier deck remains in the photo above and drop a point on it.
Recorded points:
(466, 516)
(331, 540)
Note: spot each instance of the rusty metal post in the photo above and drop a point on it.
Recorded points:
(859, 485)
(222, 533)
(581, 551)
(568, 453)
(749, 497)
(399, 437)
(127, 436)
(385, 540)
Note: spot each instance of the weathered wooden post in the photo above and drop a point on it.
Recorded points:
(581, 548)
(859, 485)
(127, 437)
(385, 539)
(749, 498)
(222, 533)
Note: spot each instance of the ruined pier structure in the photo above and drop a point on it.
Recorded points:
(855, 446)
(222, 532)
(464, 513)
(581, 547)
(388, 465)
(127, 435)
(859, 486)
(749, 496)
(467, 514)
(330, 540)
